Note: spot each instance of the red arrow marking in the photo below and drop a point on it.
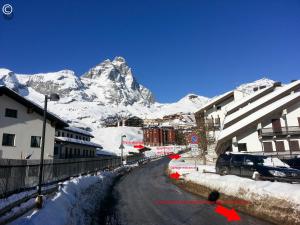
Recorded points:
(230, 214)
(138, 146)
(175, 175)
(174, 156)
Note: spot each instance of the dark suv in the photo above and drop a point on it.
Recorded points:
(257, 167)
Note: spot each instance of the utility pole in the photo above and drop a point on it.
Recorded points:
(39, 198)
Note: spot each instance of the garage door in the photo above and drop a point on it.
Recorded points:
(268, 146)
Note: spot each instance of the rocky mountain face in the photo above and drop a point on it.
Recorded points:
(110, 82)
(108, 90)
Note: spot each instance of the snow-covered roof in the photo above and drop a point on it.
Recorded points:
(105, 152)
(79, 131)
(217, 99)
(261, 101)
(77, 141)
(249, 98)
(280, 104)
(28, 103)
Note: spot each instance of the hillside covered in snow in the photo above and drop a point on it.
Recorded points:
(108, 90)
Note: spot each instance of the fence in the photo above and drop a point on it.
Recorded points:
(18, 175)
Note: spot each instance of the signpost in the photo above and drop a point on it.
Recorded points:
(194, 141)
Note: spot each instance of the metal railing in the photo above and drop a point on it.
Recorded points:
(19, 175)
(292, 130)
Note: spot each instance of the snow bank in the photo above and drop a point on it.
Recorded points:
(275, 200)
(110, 138)
(73, 204)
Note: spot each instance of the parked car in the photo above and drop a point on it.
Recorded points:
(256, 167)
(293, 162)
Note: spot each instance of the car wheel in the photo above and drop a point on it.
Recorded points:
(224, 171)
(256, 176)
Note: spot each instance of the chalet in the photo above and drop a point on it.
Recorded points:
(21, 126)
(71, 142)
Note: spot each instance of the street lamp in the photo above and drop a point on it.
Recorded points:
(122, 148)
(39, 198)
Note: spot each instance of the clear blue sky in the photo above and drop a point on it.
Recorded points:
(174, 47)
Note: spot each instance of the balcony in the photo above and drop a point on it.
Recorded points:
(269, 132)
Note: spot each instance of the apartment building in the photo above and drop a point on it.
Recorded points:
(21, 123)
(159, 136)
(72, 142)
(269, 124)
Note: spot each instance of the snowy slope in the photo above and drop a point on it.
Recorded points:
(107, 90)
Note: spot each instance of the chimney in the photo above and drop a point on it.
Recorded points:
(277, 84)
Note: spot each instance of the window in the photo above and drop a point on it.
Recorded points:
(242, 147)
(219, 107)
(62, 134)
(294, 145)
(268, 147)
(71, 135)
(56, 150)
(35, 142)
(58, 133)
(279, 146)
(68, 135)
(8, 139)
(11, 113)
(76, 136)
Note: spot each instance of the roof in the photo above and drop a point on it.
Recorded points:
(105, 152)
(256, 116)
(38, 109)
(246, 100)
(77, 141)
(216, 100)
(269, 98)
(78, 131)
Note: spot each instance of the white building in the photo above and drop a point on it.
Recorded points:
(71, 142)
(21, 123)
(268, 124)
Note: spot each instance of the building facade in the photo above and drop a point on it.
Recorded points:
(159, 136)
(71, 142)
(271, 124)
(21, 123)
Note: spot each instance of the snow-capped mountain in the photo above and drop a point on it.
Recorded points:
(106, 90)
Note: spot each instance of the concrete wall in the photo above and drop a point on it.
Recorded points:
(24, 126)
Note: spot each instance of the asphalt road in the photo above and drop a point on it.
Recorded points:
(133, 202)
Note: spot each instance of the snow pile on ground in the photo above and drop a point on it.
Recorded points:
(260, 194)
(74, 203)
(110, 138)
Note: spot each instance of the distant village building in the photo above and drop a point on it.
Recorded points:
(21, 126)
(159, 136)
(71, 142)
(133, 121)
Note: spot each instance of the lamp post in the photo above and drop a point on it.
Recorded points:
(39, 198)
(122, 148)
